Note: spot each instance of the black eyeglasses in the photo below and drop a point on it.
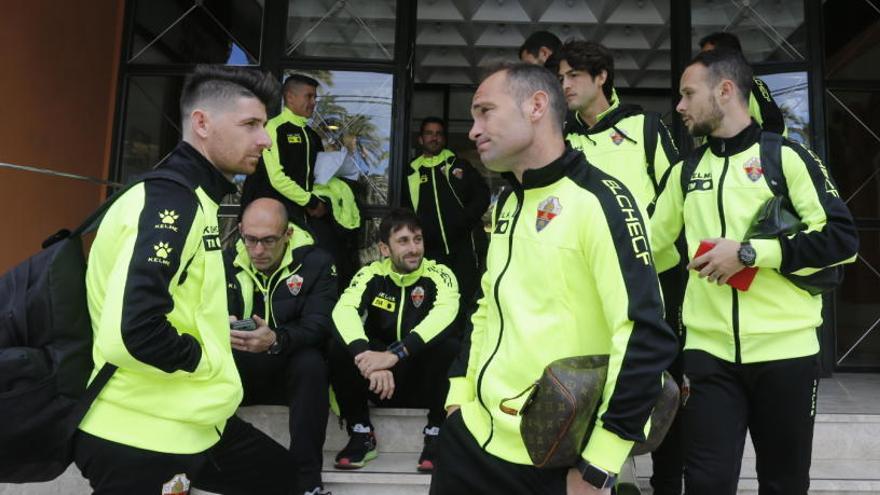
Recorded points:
(268, 242)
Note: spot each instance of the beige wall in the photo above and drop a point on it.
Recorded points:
(59, 65)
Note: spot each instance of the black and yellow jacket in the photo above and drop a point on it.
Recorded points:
(449, 196)
(773, 319)
(157, 301)
(414, 308)
(569, 273)
(627, 143)
(287, 169)
(302, 291)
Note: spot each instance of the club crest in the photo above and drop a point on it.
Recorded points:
(294, 284)
(547, 211)
(616, 137)
(458, 173)
(753, 169)
(417, 295)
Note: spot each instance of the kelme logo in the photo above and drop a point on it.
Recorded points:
(168, 217)
(162, 250)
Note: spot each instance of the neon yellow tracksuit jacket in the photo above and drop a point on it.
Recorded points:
(569, 273)
(157, 299)
(773, 319)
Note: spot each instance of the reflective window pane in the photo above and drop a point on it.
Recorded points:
(357, 104)
(789, 91)
(187, 32)
(152, 123)
(768, 31)
(341, 29)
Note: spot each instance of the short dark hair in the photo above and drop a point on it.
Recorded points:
(432, 120)
(590, 57)
(727, 64)
(223, 83)
(525, 79)
(397, 219)
(298, 80)
(722, 40)
(540, 39)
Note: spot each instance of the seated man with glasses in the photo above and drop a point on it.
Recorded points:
(283, 289)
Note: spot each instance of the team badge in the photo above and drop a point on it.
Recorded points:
(547, 211)
(178, 485)
(753, 169)
(417, 296)
(294, 284)
(616, 137)
(458, 173)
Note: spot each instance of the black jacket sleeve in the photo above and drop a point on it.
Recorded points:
(164, 223)
(476, 200)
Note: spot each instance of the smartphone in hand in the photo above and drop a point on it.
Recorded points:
(245, 325)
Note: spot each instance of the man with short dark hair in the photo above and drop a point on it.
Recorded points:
(750, 353)
(157, 300)
(277, 277)
(399, 354)
(635, 147)
(621, 139)
(569, 273)
(539, 49)
(762, 107)
(450, 197)
(288, 169)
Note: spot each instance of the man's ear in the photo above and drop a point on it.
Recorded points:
(601, 78)
(538, 105)
(544, 53)
(200, 122)
(726, 90)
(384, 249)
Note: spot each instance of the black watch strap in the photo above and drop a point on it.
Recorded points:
(596, 476)
(399, 350)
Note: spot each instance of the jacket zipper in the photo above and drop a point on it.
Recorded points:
(437, 206)
(734, 309)
(520, 197)
(308, 159)
(461, 205)
(400, 312)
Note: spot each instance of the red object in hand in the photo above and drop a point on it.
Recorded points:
(740, 280)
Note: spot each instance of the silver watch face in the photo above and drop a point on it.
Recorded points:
(747, 255)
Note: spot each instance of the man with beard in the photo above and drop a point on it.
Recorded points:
(399, 354)
(449, 196)
(750, 355)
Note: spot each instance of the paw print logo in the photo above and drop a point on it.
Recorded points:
(168, 216)
(162, 250)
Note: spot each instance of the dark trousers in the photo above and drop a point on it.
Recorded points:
(298, 381)
(463, 468)
(774, 400)
(668, 459)
(244, 461)
(419, 381)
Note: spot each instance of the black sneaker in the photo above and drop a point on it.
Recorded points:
(429, 452)
(360, 450)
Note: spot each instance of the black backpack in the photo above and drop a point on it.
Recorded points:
(46, 353)
(820, 282)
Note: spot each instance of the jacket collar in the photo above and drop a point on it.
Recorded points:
(403, 279)
(297, 120)
(611, 116)
(198, 171)
(293, 255)
(548, 174)
(736, 144)
(432, 161)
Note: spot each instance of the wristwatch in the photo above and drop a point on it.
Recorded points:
(596, 476)
(275, 348)
(746, 254)
(399, 350)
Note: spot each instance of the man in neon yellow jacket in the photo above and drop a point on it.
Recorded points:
(157, 300)
(749, 355)
(569, 273)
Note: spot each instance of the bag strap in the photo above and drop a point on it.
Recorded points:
(689, 166)
(771, 163)
(511, 411)
(649, 135)
(91, 223)
(91, 393)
